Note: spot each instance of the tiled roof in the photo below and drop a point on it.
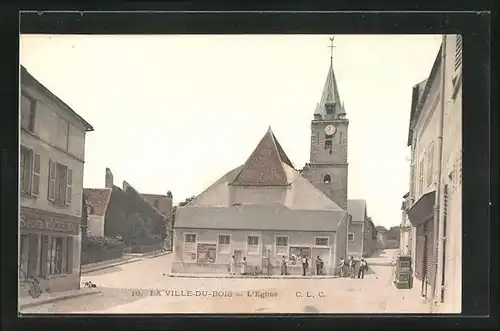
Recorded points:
(264, 166)
(98, 198)
(357, 208)
(261, 217)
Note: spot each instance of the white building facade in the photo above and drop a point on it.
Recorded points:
(435, 182)
(52, 149)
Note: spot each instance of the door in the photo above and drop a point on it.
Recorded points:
(238, 256)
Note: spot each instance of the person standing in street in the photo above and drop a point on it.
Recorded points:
(243, 267)
(362, 268)
(342, 267)
(305, 265)
(319, 266)
(232, 265)
(352, 265)
(284, 270)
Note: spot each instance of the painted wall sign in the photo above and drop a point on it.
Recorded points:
(49, 225)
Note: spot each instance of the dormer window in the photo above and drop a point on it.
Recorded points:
(329, 108)
(327, 179)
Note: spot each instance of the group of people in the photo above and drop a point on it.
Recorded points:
(350, 268)
(232, 266)
(305, 265)
(353, 268)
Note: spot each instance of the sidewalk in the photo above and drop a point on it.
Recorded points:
(86, 268)
(49, 297)
(127, 258)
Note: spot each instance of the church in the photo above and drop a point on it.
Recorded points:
(266, 210)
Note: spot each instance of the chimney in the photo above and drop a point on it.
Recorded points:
(109, 179)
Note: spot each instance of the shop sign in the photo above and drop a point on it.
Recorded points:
(49, 225)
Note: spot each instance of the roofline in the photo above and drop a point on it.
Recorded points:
(420, 102)
(26, 75)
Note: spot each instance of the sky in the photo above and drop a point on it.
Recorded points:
(176, 112)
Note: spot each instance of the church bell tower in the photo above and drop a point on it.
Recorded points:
(327, 167)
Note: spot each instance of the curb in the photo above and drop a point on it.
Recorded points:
(62, 298)
(157, 255)
(249, 277)
(110, 265)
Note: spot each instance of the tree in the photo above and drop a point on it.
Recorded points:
(186, 201)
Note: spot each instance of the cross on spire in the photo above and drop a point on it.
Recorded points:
(331, 48)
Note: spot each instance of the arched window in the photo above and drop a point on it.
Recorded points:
(327, 179)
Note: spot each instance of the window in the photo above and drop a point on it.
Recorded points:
(420, 176)
(341, 137)
(60, 183)
(430, 163)
(328, 136)
(327, 179)
(281, 245)
(28, 109)
(329, 108)
(23, 256)
(328, 145)
(350, 237)
(69, 255)
(190, 238)
(56, 256)
(317, 137)
(29, 172)
(224, 243)
(252, 244)
(321, 241)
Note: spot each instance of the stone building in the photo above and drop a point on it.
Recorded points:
(327, 167)
(361, 237)
(52, 157)
(435, 182)
(265, 211)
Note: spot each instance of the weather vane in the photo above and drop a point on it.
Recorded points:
(331, 48)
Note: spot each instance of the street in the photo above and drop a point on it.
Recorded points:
(143, 287)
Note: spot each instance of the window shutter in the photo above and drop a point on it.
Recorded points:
(69, 185)
(51, 195)
(35, 183)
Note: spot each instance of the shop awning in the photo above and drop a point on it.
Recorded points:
(422, 210)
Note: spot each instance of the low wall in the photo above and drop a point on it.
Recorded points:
(146, 248)
(100, 254)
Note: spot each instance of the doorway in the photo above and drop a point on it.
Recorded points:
(238, 256)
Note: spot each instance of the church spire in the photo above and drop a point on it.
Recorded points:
(330, 105)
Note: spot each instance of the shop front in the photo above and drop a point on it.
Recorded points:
(421, 216)
(50, 249)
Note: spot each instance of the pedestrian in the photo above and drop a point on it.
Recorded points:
(305, 265)
(243, 267)
(283, 266)
(319, 266)
(342, 267)
(363, 266)
(232, 265)
(352, 264)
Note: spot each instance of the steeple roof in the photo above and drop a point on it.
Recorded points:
(330, 95)
(264, 167)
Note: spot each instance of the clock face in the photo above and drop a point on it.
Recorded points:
(330, 130)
